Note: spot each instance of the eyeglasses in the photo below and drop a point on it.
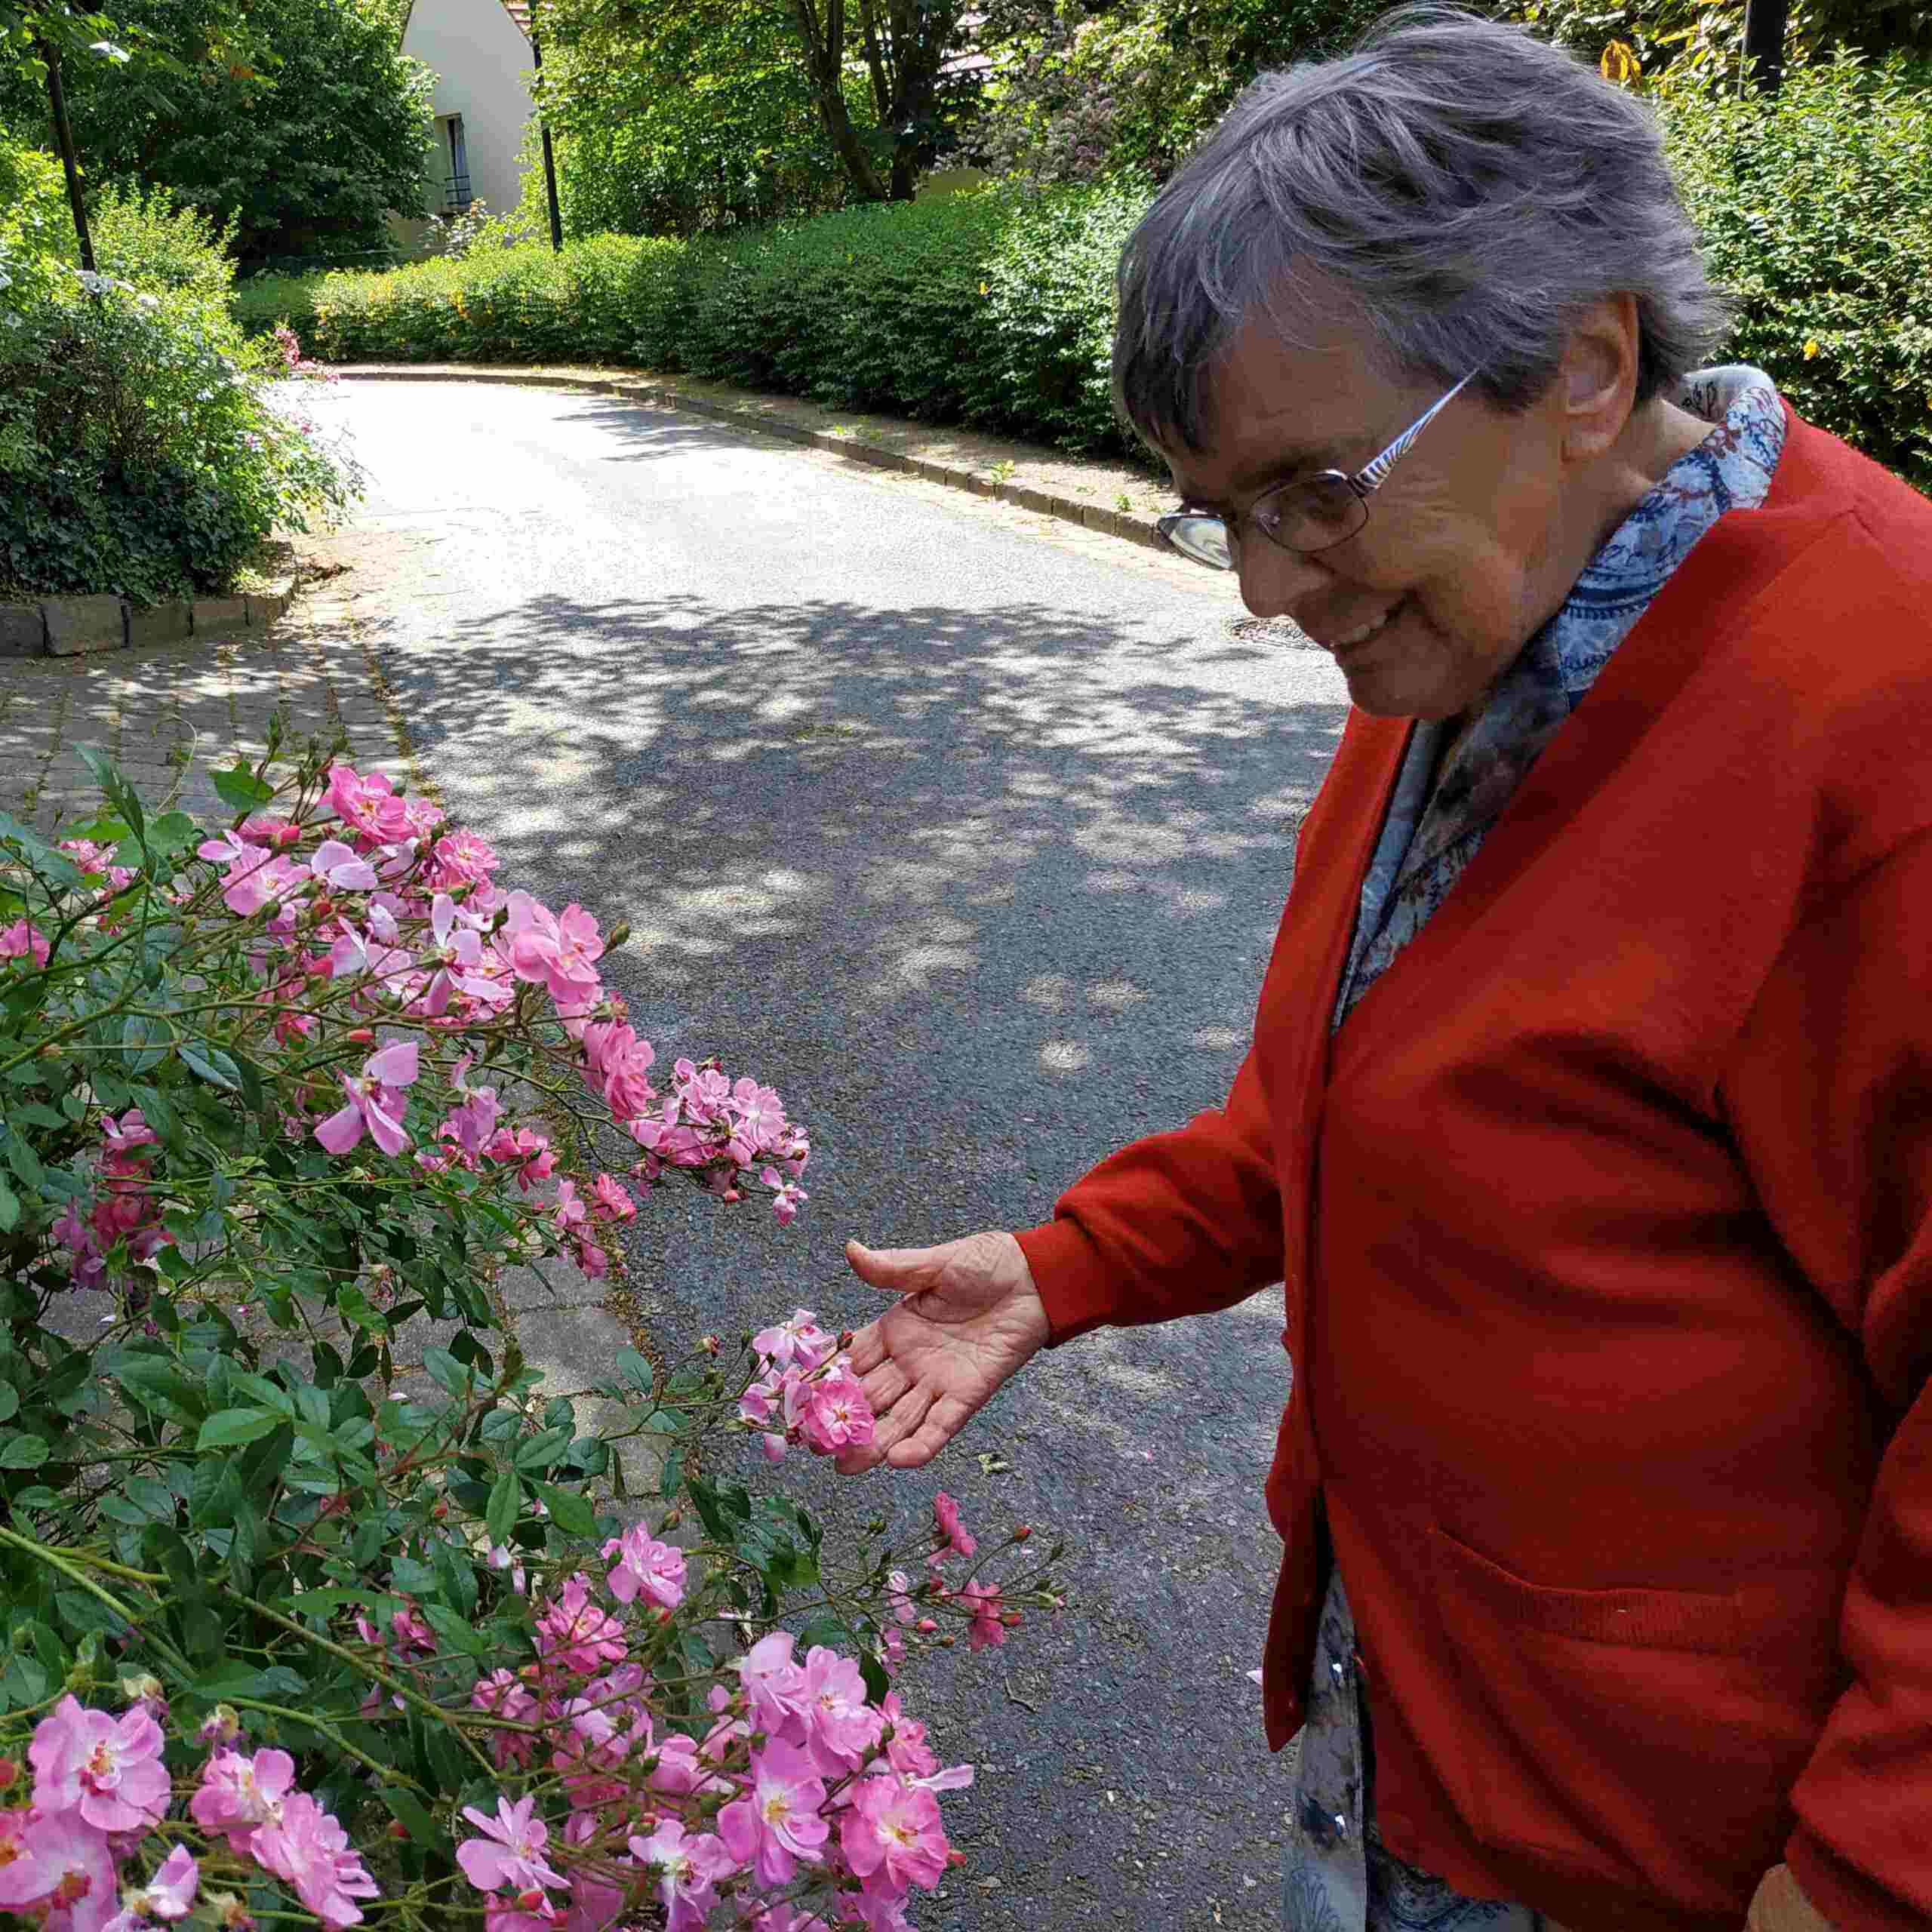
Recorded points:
(1305, 515)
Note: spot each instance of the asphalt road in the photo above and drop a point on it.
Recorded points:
(969, 833)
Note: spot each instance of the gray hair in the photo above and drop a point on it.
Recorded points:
(1465, 191)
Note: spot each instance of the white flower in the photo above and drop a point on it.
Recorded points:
(148, 301)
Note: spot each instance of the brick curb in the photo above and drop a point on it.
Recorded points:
(71, 626)
(663, 393)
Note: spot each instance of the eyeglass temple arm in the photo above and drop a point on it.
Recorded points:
(1374, 473)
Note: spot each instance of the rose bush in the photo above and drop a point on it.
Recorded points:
(295, 1635)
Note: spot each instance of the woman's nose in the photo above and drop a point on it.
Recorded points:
(1274, 581)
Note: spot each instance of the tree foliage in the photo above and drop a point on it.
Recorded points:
(299, 118)
(673, 120)
(722, 112)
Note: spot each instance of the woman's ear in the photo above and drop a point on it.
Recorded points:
(1597, 385)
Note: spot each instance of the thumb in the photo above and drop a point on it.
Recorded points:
(904, 1271)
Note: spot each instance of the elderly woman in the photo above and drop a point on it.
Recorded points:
(1586, 1118)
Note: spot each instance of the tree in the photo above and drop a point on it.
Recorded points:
(906, 45)
(674, 120)
(33, 42)
(1081, 89)
(300, 118)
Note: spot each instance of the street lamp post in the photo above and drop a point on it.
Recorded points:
(544, 134)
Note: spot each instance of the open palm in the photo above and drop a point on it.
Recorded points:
(970, 1317)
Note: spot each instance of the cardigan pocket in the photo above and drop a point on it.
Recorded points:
(1647, 1738)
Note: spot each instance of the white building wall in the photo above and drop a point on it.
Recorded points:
(483, 67)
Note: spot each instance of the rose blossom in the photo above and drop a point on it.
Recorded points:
(108, 1769)
(307, 1848)
(238, 1793)
(510, 1854)
(647, 1567)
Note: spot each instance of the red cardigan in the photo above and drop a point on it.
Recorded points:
(1606, 1225)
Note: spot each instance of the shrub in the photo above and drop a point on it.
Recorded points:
(1817, 210)
(34, 215)
(262, 301)
(147, 237)
(271, 1095)
(139, 450)
(595, 302)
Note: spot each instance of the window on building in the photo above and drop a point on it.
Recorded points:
(456, 188)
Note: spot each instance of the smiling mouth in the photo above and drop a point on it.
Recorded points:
(1348, 640)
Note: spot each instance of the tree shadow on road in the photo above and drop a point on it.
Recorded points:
(754, 767)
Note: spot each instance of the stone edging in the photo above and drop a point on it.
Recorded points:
(662, 395)
(67, 626)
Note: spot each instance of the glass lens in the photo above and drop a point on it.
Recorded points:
(1203, 538)
(1312, 514)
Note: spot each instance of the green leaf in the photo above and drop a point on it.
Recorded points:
(158, 1385)
(173, 831)
(22, 1452)
(154, 1499)
(878, 1684)
(81, 1611)
(712, 1517)
(455, 1628)
(113, 782)
(25, 1161)
(231, 1426)
(458, 1573)
(147, 1037)
(25, 1681)
(412, 1578)
(417, 1821)
(238, 788)
(443, 1368)
(9, 1402)
(544, 1450)
(10, 1208)
(506, 1495)
(449, 1762)
(213, 1065)
(569, 1511)
(254, 1090)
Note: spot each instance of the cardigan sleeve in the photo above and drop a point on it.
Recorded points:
(1178, 1223)
(1830, 1089)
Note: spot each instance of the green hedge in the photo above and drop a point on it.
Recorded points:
(995, 309)
(1817, 215)
(991, 309)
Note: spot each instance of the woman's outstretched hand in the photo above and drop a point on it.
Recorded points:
(970, 1317)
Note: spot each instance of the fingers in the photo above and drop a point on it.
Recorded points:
(868, 1352)
(901, 1420)
(883, 1384)
(939, 1424)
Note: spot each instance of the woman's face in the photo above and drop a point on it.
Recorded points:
(1470, 545)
